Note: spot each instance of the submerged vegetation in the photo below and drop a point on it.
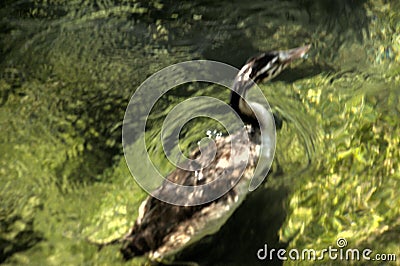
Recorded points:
(67, 71)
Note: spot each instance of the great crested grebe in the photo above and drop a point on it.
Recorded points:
(163, 229)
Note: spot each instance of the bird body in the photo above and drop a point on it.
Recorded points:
(163, 229)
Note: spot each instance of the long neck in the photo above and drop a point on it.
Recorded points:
(261, 120)
(254, 70)
(240, 87)
(241, 106)
(253, 113)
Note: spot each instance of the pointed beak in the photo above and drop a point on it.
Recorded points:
(288, 56)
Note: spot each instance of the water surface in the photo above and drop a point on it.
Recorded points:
(68, 69)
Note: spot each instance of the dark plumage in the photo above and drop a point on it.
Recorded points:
(163, 229)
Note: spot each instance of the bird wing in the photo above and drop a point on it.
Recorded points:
(162, 229)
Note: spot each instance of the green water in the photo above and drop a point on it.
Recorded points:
(68, 69)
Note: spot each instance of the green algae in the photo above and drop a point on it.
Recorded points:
(64, 183)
